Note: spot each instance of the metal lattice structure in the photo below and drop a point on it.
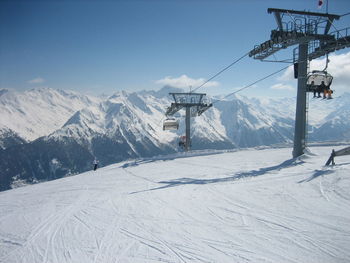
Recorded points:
(311, 32)
(295, 27)
(340, 40)
(194, 104)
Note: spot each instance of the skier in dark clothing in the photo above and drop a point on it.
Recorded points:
(95, 163)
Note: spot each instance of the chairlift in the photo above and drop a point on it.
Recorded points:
(170, 124)
(316, 77)
(319, 81)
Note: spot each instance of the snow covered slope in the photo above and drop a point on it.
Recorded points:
(239, 206)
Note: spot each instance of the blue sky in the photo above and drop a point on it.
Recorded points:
(104, 46)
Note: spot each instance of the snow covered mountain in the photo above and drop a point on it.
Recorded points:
(40, 111)
(210, 206)
(129, 125)
(330, 119)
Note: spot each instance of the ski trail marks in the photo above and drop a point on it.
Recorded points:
(46, 229)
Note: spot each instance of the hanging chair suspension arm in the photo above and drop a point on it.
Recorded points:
(327, 60)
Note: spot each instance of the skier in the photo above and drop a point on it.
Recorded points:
(182, 142)
(95, 163)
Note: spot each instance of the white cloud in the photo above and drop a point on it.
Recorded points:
(186, 82)
(288, 74)
(36, 81)
(281, 86)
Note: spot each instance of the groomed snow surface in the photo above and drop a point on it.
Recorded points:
(242, 206)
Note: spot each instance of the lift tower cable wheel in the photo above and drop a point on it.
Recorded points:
(310, 31)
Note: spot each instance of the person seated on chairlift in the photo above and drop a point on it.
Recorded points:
(323, 88)
(313, 88)
(318, 89)
(329, 91)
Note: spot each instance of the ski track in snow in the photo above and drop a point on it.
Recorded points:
(241, 206)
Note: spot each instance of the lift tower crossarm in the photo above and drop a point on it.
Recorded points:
(296, 12)
(277, 12)
(278, 20)
(341, 40)
(302, 27)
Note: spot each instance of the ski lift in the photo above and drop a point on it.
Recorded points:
(316, 78)
(319, 82)
(170, 124)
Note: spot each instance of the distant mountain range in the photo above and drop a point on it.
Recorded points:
(47, 134)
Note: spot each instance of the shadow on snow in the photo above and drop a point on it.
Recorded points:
(324, 171)
(318, 173)
(253, 173)
(170, 157)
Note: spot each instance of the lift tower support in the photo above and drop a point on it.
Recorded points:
(194, 104)
(310, 31)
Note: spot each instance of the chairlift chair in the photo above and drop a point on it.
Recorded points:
(315, 79)
(170, 124)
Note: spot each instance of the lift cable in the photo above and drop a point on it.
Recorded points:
(221, 71)
(250, 85)
(255, 82)
(345, 14)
